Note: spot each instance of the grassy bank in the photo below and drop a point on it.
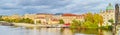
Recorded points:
(102, 27)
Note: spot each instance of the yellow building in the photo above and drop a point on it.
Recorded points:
(5, 17)
(30, 16)
(15, 16)
(67, 18)
(43, 17)
(108, 14)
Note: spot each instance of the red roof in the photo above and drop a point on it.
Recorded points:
(55, 19)
(78, 16)
(67, 24)
(67, 14)
(40, 17)
(43, 14)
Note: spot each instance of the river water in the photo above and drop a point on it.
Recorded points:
(13, 30)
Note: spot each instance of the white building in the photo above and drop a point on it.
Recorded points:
(108, 14)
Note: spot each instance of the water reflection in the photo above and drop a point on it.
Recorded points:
(67, 31)
(10, 30)
(93, 32)
(50, 31)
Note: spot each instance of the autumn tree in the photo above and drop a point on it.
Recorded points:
(98, 19)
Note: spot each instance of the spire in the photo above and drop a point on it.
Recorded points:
(110, 4)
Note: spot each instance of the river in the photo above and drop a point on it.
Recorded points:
(13, 30)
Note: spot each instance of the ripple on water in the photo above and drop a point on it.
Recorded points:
(12, 30)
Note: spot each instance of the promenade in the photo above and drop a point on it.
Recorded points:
(39, 25)
(25, 24)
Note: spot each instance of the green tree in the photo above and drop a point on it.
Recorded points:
(39, 21)
(111, 21)
(89, 17)
(92, 20)
(1, 18)
(16, 20)
(88, 24)
(75, 24)
(61, 21)
(26, 20)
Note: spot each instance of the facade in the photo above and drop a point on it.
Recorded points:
(43, 18)
(108, 14)
(67, 18)
(55, 19)
(30, 16)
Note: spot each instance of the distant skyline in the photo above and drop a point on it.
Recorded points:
(9, 7)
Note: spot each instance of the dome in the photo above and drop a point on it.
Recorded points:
(109, 7)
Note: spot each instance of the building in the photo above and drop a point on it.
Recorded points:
(55, 18)
(44, 18)
(108, 14)
(67, 18)
(30, 16)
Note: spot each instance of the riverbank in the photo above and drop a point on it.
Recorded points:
(40, 25)
(26, 24)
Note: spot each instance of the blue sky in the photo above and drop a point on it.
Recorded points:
(8, 7)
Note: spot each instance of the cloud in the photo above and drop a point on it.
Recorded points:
(77, 7)
(8, 6)
(56, 3)
(53, 6)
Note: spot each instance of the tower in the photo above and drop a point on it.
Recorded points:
(117, 14)
(117, 19)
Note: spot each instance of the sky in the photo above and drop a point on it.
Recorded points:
(9, 7)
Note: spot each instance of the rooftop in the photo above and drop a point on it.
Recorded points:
(110, 7)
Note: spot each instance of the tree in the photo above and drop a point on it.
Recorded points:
(7, 20)
(1, 18)
(111, 21)
(92, 20)
(89, 17)
(17, 20)
(26, 20)
(89, 24)
(61, 21)
(39, 21)
(76, 24)
(98, 19)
